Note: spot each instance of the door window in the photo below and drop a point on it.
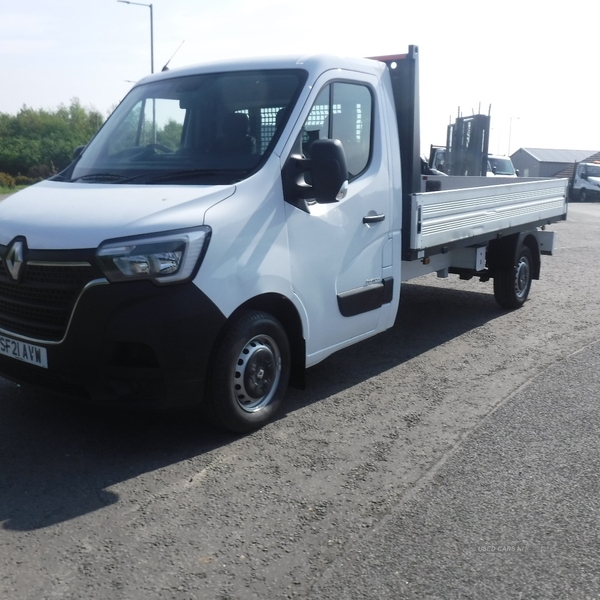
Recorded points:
(342, 111)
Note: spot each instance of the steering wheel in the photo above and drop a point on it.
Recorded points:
(160, 147)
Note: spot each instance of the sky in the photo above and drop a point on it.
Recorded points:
(530, 64)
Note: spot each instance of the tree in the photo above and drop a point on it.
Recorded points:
(170, 134)
(41, 142)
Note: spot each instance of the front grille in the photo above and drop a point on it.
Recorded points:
(40, 305)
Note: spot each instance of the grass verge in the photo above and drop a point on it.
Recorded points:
(5, 190)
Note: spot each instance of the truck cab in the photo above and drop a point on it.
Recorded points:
(585, 184)
(500, 166)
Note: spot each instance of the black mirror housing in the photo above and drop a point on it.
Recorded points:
(329, 169)
(326, 171)
(77, 152)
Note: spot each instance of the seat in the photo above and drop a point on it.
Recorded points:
(236, 138)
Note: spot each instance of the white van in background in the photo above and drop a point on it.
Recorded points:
(501, 166)
(586, 181)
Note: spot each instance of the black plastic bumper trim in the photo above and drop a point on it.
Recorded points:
(131, 344)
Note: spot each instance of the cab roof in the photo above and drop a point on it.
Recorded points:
(314, 64)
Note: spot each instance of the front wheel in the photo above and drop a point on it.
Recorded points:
(582, 195)
(250, 373)
(512, 285)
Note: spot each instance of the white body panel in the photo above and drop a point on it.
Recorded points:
(63, 216)
(249, 253)
(334, 252)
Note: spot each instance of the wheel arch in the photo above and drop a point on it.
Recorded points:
(286, 313)
(503, 252)
(530, 240)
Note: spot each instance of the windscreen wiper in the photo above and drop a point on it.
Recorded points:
(100, 177)
(234, 174)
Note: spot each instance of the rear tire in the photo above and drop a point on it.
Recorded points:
(512, 285)
(250, 373)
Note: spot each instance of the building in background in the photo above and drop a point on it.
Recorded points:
(542, 162)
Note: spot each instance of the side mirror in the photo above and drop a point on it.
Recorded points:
(329, 171)
(77, 152)
(323, 178)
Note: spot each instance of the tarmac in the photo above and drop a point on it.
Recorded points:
(511, 512)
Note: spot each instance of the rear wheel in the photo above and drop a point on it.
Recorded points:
(250, 372)
(512, 285)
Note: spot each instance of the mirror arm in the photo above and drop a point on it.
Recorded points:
(295, 189)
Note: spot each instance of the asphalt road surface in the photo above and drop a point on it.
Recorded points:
(454, 456)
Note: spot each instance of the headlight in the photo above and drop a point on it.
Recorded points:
(170, 257)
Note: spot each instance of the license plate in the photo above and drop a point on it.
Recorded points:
(34, 355)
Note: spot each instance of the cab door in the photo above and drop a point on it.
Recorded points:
(340, 252)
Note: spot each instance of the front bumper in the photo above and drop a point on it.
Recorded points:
(130, 344)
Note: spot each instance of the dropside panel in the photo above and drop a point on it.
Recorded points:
(446, 217)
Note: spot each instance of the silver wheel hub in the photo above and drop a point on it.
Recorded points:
(522, 277)
(257, 373)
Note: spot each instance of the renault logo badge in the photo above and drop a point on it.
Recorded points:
(14, 259)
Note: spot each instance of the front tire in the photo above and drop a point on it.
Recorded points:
(512, 285)
(250, 373)
(582, 195)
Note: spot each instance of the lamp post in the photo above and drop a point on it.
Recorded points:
(510, 133)
(151, 30)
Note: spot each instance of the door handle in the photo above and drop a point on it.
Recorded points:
(368, 219)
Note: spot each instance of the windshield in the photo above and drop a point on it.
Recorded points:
(593, 170)
(501, 166)
(218, 127)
